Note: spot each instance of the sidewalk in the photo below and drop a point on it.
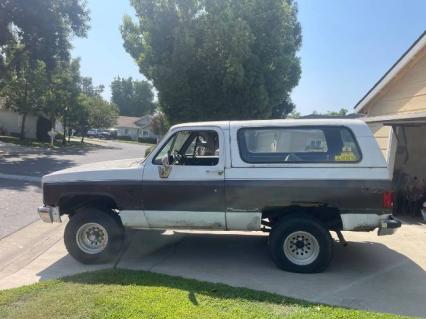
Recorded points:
(9, 148)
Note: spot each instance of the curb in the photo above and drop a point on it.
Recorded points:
(21, 177)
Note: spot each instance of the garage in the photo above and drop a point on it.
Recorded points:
(395, 110)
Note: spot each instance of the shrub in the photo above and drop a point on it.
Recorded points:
(124, 138)
(148, 140)
(14, 134)
(149, 150)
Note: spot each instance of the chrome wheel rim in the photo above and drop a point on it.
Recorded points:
(92, 238)
(301, 248)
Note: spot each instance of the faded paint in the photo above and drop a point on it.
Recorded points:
(243, 220)
(362, 222)
(186, 219)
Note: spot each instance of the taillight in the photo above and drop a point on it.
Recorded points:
(387, 199)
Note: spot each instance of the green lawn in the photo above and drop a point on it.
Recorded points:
(36, 143)
(130, 294)
(132, 142)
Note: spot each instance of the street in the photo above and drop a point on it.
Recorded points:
(40, 161)
(20, 194)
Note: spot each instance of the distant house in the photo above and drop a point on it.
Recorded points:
(135, 127)
(36, 126)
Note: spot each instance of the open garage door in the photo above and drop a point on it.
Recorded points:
(407, 158)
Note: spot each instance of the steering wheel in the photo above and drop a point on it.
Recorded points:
(175, 158)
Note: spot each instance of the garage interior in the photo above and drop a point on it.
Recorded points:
(409, 174)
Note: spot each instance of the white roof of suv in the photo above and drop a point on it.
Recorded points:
(359, 127)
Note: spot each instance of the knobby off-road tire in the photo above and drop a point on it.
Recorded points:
(94, 236)
(300, 244)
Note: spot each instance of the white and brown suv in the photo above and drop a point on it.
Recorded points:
(297, 179)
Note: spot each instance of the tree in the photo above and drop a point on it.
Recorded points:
(93, 111)
(283, 109)
(76, 101)
(63, 94)
(293, 115)
(133, 98)
(217, 59)
(24, 89)
(159, 124)
(34, 48)
(341, 112)
(102, 114)
(42, 27)
(88, 88)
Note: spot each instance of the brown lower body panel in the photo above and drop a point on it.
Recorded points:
(220, 196)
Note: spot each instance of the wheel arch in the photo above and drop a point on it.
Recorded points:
(329, 216)
(70, 203)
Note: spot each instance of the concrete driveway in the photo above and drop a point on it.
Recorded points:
(385, 274)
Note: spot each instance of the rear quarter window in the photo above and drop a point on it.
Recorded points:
(319, 144)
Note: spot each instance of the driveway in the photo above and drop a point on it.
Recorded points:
(21, 169)
(385, 274)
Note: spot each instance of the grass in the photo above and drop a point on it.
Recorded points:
(132, 142)
(37, 143)
(74, 142)
(135, 294)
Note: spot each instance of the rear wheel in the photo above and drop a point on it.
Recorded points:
(300, 244)
(94, 236)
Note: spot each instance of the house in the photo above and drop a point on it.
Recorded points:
(36, 126)
(395, 110)
(135, 127)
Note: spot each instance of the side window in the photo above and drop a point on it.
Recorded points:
(298, 145)
(191, 148)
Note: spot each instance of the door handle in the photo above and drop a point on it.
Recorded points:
(215, 171)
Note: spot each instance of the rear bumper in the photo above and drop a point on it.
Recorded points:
(49, 214)
(388, 226)
(367, 222)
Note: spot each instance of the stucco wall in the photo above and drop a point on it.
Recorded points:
(128, 131)
(382, 135)
(10, 122)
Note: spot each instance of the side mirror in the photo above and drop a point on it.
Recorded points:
(165, 169)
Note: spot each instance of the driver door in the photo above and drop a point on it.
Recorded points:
(191, 195)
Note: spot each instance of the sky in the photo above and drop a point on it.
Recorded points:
(347, 46)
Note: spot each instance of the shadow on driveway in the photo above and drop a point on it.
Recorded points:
(39, 161)
(364, 275)
(33, 165)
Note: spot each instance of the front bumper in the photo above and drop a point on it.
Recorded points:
(388, 226)
(49, 214)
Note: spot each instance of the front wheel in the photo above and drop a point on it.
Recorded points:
(93, 236)
(300, 244)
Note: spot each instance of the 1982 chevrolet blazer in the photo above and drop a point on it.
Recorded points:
(296, 179)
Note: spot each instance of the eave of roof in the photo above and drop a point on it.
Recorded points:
(408, 55)
(384, 119)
